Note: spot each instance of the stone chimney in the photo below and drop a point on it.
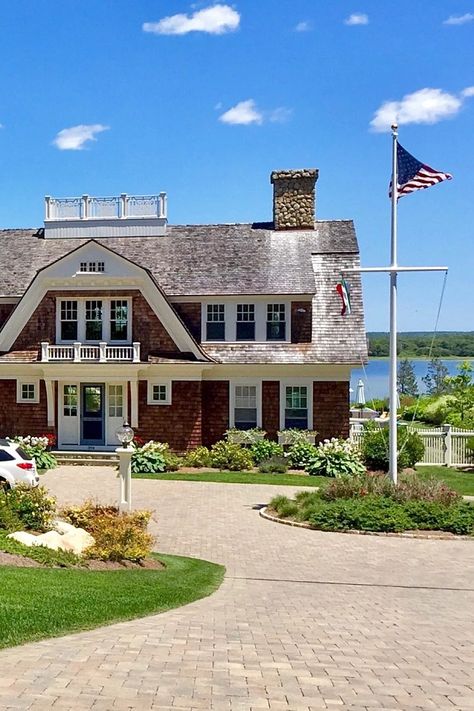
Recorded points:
(294, 198)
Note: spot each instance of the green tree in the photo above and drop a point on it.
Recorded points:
(435, 379)
(407, 384)
(462, 389)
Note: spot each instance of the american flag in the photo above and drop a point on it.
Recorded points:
(413, 175)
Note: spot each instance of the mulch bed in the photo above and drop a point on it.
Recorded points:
(20, 561)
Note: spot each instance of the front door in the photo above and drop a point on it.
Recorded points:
(92, 414)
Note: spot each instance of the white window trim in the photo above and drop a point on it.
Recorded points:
(81, 319)
(296, 382)
(230, 319)
(244, 381)
(27, 381)
(161, 381)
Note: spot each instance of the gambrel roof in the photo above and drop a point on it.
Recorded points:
(198, 260)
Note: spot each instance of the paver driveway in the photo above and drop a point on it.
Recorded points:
(304, 620)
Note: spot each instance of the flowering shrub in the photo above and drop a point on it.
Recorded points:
(335, 457)
(199, 457)
(37, 449)
(265, 449)
(35, 508)
(230, 457)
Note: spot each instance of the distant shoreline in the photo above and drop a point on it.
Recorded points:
(404, 357)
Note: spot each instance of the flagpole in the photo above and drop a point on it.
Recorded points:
(392, 439)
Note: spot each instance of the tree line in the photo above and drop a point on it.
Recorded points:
(417, 345)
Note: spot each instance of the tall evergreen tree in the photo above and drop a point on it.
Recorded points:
(435, 379)
(407, 384)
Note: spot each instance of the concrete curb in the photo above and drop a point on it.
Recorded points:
(416, 534)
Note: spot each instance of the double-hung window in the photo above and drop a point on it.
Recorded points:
(276, 322)
(296, 407)
(215, 322)
(245, 407)
(245, 327)
(118, 320)
(93, 320)
(69, 320)
(115, 401)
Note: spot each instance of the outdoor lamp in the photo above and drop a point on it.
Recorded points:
(125, 434)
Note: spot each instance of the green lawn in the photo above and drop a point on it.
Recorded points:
(46, 602)
(460, 481)
(240, 478)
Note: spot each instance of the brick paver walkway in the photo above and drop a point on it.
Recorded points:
(304, 620)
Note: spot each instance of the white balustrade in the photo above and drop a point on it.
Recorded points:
(79, 353)
(122, 206)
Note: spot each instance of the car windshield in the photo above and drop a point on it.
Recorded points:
(24, 455)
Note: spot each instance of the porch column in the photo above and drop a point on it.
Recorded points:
(49, 384)
(134, 403)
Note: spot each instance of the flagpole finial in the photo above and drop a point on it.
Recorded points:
(394, 127)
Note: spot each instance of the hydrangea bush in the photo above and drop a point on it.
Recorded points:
(37, 449)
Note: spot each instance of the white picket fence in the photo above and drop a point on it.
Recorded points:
(444, 446)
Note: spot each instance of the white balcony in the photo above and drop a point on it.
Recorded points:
(105, 216)
(80, 353)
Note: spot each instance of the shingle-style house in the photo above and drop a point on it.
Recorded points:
(109, 313)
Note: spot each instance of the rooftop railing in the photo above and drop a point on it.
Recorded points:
(121, 207)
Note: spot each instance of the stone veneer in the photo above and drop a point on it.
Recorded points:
(294, 198)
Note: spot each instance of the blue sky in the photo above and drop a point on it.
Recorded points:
(110, 96)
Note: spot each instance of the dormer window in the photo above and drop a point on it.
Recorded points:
(215, 323)
(276, 322)
(245, 327)
(87, 267)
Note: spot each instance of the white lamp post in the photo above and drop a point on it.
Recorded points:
(125, 435)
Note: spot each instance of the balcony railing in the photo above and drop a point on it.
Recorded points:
(121, 207)
(80, 353)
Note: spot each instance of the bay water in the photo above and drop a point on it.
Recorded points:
(375, 375)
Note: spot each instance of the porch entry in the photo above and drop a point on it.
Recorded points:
(89, 414)
(92, 414)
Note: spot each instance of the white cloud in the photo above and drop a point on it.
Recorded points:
(304, 26)
(423, 106)
(76, 137)
(243, 113)
(459, 19)
(215, 20)
(279, 115)
(247, 112)
(357, 18)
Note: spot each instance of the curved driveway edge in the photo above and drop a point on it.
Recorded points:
(304, 620)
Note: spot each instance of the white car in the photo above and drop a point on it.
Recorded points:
(16, 466)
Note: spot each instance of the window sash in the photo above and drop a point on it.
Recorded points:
(276, 322)
(296, 407)
(70, 400)
(245, 407)
(118, 320)
(93, 320)
(115, 401)
(28, 391)
(159, 393)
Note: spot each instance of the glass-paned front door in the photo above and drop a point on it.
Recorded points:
(92, 414)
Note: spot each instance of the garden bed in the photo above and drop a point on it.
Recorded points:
(372, 503)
